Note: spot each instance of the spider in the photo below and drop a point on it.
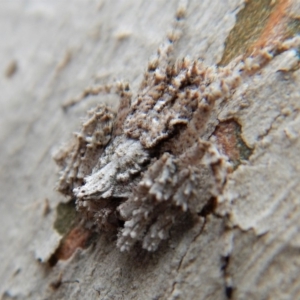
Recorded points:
(142, 168)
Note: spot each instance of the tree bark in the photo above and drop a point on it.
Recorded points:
(245, 247)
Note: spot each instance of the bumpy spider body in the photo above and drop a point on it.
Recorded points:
(147, 165)
(151, 162)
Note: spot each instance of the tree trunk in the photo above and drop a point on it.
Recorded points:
(244, 245)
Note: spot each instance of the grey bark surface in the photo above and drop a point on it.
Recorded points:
(51, 51)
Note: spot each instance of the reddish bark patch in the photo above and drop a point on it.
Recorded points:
(77, 238)
(230, 142)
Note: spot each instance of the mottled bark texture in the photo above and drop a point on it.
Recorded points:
(181, 181)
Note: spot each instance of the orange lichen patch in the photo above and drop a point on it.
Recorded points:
(77, 238)
(260, 23)
(275, 29)
(229, 141)
(250, 22)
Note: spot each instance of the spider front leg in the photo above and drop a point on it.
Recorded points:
(79, 157)
(120, 88)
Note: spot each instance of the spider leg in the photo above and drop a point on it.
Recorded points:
(163, 57)
(119, 88)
